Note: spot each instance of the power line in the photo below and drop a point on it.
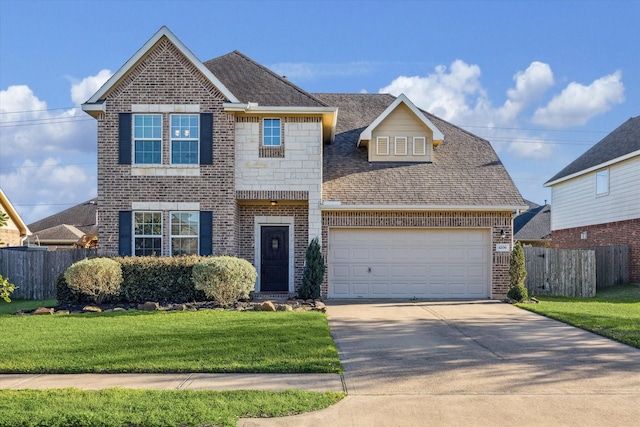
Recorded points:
(48, 166)
(37, 111)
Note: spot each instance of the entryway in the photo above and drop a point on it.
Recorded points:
(274, 258)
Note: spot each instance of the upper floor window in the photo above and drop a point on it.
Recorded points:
(147, 233)
(185, 131)
(271, 134)
(184, 233)
(602, 182)
(147, 138)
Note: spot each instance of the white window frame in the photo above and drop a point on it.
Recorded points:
(400, 140)
(384, 139)
(602, 180)
(146, 236)
(416, 141)
(134, 139)
(189, 138)
(184, 236)
(279, 131)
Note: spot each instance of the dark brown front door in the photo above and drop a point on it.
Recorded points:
(274, 267)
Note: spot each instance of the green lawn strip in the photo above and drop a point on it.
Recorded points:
(150, 408)
(24, 304)
(613, 313)
(168, 341)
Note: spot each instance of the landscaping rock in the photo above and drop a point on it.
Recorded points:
(43, 310)
(265, 306)
(62, 312)
(91, 309)
(119, 309)
(149, 306)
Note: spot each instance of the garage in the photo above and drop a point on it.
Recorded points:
(407, 263)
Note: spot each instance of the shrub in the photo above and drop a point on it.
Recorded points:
(64, 294)
(6, 288)
(225, 279)
(517, 275)
(94, 279)
(313, 271)
(159, 279)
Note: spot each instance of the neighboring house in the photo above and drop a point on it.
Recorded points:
(596, 199)
(65, 229)
(533, 227)
(15, 231)
(227, 157)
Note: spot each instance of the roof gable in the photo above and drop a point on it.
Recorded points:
(623, 142)
(162, 32)
(534, 224)
(6, 206)
(81, 216)
(401, 99)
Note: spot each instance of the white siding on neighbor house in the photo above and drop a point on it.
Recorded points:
(299, 170)
(575, 203)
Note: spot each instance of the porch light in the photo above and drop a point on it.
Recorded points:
(503, 234)
(274, 202)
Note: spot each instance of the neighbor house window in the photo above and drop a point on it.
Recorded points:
(271, 135)
(184, 233)
(185, 130)
(147, 138)
(602, 182)
(382, 145)
(147, 231)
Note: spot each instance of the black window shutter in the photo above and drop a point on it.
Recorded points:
(206, 138)
(206, 233)
(124, 233)
(124, 138)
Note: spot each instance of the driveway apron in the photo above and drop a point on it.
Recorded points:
(473, 363)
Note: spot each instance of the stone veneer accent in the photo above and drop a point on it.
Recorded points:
(246, 232)
(165, 76)
(612, 233)
(497, 221)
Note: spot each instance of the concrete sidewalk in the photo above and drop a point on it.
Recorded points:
(273, 382)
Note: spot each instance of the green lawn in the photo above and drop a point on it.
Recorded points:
(146, 408)
(168, 341)
(24, 304)
(613, 313)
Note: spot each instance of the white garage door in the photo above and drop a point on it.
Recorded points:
(407, 263)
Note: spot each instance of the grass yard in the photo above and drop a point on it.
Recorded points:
(613, 313)
(24, 304)
(171, 341)
(147, 408)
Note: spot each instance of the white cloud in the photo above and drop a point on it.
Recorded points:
(83, 90)
(577, 104)
(531, 84)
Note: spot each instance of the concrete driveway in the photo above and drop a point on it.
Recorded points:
(473, 363)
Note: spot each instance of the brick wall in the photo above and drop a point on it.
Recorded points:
(497, 221)
(165, 76)
(10, 237)
(613, 233)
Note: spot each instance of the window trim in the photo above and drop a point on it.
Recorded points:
(134, 140)
(135, 236)
(398, 139)
(378, 140)
(416, 139)
(264, 128)
(191, 138)
(599, 176)
(172, 236)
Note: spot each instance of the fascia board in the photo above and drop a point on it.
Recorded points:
(329, 206)
(593, 168)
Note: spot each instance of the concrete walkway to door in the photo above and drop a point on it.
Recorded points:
(473, 363)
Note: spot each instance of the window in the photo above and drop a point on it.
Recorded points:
(271, 133)
(401, 146)
(147, 231)
(382, 145)
(419, 146)
(184, 233)
(602, 182)
(147, 138)
(184, 139)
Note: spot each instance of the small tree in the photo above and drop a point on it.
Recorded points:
(6, 288)
(313, 275)
(517, 274)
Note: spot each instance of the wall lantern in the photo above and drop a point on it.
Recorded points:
(274, 202)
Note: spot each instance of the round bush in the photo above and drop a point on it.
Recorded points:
(94, 279)
(518, 293)
(225, 279)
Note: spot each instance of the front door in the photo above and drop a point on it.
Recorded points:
(274, 254)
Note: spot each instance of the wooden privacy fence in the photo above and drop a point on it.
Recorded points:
(612, 265)
(34, 272)
(563, 272)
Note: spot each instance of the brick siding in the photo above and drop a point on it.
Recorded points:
(613, 233)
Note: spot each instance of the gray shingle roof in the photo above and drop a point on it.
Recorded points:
(465, 169)
(534, 224)
(624, 140)
(82, 216)
(252, 82)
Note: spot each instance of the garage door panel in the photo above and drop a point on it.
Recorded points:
(403, 263)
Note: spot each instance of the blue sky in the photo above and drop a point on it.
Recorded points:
(542, 80)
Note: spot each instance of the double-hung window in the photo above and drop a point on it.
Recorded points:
(147, 233)
(271, 135)
(602, 182)
(184, 233)
(185, 133)
(147, 138)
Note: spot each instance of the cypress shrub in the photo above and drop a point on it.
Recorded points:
(313, 271)
(517, 274)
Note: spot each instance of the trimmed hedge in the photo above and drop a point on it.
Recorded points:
(95, 279)
(225, 279)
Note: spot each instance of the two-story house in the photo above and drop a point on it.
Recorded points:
(227, 157)
(596, 198)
